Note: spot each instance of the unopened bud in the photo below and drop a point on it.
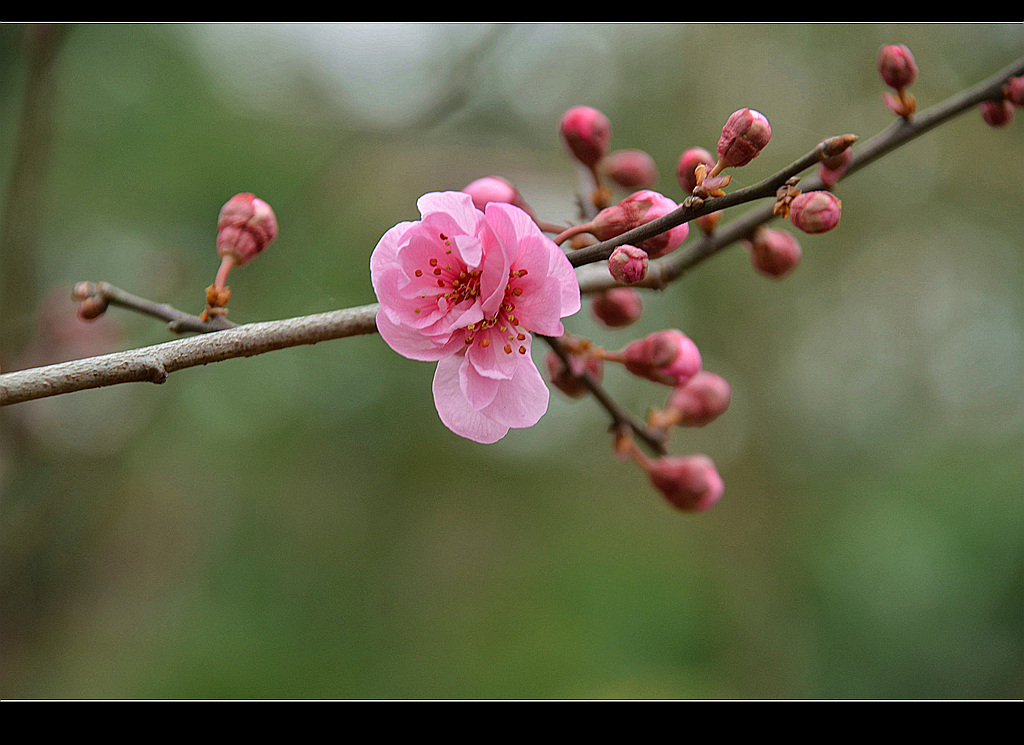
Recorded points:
(997, 113)
(628, 264)
(635, 210)
(495, 189)
(1014, 90)
(668, 357)
(689, 483)
(687, 165)
(617, 307)
(245, 227)
(774, 253)
(569, 380)
(815, 211)
(896, 65)
(701, 400)
(744, 136)
(587, 133)
(630, 169)
(832, 169)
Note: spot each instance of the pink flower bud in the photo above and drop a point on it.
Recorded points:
(896, 65)
(630, 169)
(744, 136)
(618, 307)
(568, 380)
(587, 133)
(815, 211)
(1014, 90)
(997, 113)
(688, 163)
(701, 400)
(245, 227)
(635, 210)
(495, 189)
(832, 169)
(774, 253)
(628, 264)
(690, 483)
(668, 357)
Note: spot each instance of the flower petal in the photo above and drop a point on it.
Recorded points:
(454, 408)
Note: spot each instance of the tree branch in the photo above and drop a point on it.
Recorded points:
(154, 363)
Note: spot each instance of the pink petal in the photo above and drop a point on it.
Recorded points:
(454, 408)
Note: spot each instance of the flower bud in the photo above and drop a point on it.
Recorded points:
(635, 210)
(701, 400)
(495, 189)
(568, 380)
(815, 211)
(832, 169)
(744, 136)
(587, 133)
(630, 169)
(245, 227)
(689, 483)
(628, 264)
(997, 113)
(896, 65)
(688, 163)
(617, 307)
(774, 253)
(668, 357)
(1014, 90)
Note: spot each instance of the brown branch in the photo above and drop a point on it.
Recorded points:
(153, 364)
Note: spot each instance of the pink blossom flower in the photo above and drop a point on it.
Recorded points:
(466, 288)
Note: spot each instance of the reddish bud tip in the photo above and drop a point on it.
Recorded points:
(668, 357)
(635, 210)
(587, 133)
(628, 264)
(495, 189)
(774, 253)
(832, 169)
(997, 113)
(701, 400)
(815, 211)
(687, 165)
(618, 307)
(245, 227)
(744, 136)
(630, 169)
(1014, 90)
(690, 483)
(896, 65)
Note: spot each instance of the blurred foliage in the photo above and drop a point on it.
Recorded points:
(300, 524)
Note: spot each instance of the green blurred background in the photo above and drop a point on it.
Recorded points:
(300, 524)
